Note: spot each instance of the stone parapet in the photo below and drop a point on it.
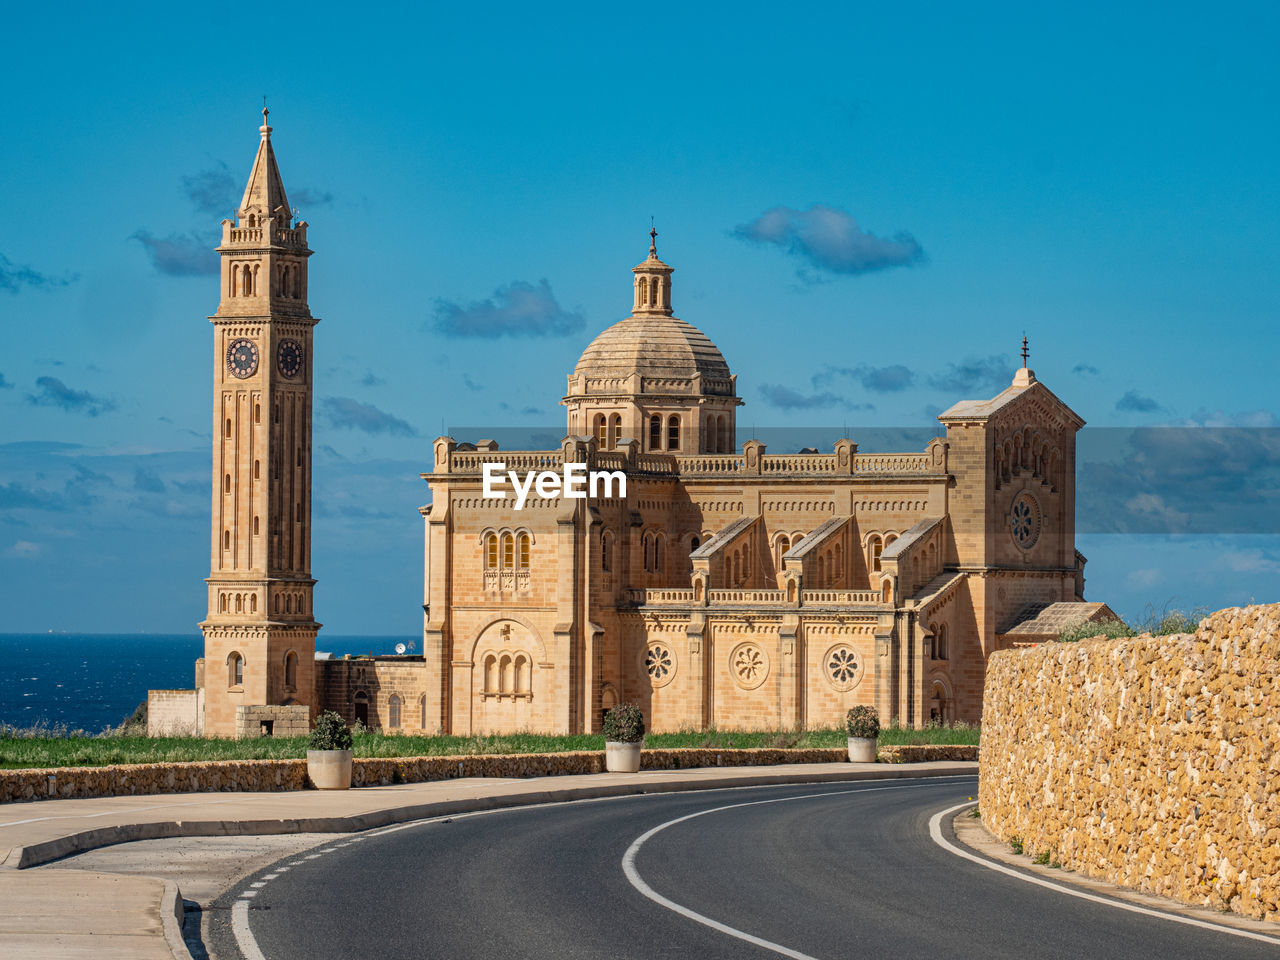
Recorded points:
(275, 775)
(1153, 762)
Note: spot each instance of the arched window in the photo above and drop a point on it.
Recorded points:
(522, 675)
(886, 591)
(239, 603)
(655, 432)
(658, 543)
(226, 539)
(246, 282)
(780, 548)
(253, 603)
(615, 430)
(524, 551)
(693, 544)
(726, 443)
(393, 712)
(673, 432)
(602, 436)
(876, 547)
(291, 669)
(606, 552)
(940, 643)
(227, 429)
(491, 674)
(491, 552)
(504, 675)
(222, 603)
(235, 670)
(508, 551)
(648, 552)
(362, 707)
(257, 469)
(255, 526)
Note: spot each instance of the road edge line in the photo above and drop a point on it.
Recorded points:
(935, 833)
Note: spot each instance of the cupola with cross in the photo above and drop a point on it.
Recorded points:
(653, 377)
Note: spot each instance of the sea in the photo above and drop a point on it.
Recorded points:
(94, 681)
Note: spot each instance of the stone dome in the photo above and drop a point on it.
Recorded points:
(663, 347)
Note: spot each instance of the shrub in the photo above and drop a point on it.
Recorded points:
(330, 733)
(862, 721)
(1084, 629)
(624, 724)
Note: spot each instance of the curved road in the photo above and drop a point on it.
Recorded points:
(829, 870)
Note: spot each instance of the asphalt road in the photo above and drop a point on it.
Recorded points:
(831, 870)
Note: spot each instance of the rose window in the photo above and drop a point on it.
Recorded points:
(843, 667)
(1024, 521)
(749, 664)
(659, 663)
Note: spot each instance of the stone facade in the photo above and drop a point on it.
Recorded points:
(1152, 762)
(730, 587)
(175, 713)
(738, 588)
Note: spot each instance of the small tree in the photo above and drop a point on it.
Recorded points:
(863, 722)
(624, 724)
(330, 733)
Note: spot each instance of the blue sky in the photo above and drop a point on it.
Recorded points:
(866, 207)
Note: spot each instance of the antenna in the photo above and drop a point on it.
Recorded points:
(400, 648)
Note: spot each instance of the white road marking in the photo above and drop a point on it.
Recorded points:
(935, 831)
(258, 884)
(240, 929)
(249, 946)
(249, 893)
(633, 875)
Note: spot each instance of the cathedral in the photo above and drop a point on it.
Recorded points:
(716, 585)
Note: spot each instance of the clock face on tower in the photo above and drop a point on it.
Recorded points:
(242, 358)
(289, 358)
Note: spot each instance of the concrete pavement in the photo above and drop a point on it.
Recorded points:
(71, 914)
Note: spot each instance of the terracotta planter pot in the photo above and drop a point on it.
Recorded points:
(862, 749)
(329, 769)
(622, 757)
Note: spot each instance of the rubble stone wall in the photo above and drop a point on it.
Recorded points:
(1153, 762)
(272, 775)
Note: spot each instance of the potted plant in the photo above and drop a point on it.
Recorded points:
(863, 726)
(329, 753)
(623, 738)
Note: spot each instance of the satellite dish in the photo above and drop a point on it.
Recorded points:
(400, 648)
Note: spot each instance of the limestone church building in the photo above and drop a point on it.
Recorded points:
(731, 587)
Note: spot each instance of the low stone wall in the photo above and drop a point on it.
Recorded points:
(272, 775)
(1152, 762)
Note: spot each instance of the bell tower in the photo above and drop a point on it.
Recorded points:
(259, 635)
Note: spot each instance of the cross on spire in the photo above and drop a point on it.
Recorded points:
(653, 239)
(1025, 351)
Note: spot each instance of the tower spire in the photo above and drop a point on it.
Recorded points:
(264, 194)
(653, 240)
